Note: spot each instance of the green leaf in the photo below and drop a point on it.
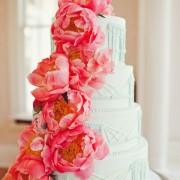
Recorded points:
(44, 126)
(37, 109)
(35, 113)
(53, 176)
(101, 15)
(65, 96)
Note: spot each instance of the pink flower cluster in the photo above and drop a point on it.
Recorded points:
(58, 140)
(97, 6)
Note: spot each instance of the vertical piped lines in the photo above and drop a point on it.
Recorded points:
(116, 41)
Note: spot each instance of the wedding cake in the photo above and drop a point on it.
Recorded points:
(116, 116)
(86, 125)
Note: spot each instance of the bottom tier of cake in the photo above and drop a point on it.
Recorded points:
(129, 165)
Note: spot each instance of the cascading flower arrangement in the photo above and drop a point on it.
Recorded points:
(58, 140)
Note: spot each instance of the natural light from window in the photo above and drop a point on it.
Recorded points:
(37, 21)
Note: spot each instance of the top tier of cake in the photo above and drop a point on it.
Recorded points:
(115, 32)
(118, 91)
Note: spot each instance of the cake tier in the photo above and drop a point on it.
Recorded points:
(120, 129)
(119, 86)
(118, 91)
(115, 32)
(130, 165)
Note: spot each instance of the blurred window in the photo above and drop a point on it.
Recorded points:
(36, 23)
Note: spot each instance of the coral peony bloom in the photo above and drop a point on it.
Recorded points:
(83, 80)
(67, 111)
(30, 141)
(33, 144)
(39, 124)
(27, 169)
(51, 77)
(75, 150)
(76, 25)
(98, 6)
(88, 74)
(14, 174)
(33, 161)
(101, 64)
(34, 167)
(77, 52)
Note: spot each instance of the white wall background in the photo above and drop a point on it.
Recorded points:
(175, 71)
(158, 79)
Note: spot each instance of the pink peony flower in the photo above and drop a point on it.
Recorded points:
(51, 77)
(33, 144)
(39, 124)
(76, 25)
(77, 52)
(66, 112)
(101, 64)
(83, 80)
(75, 150)
(88, 74)
(33, 161)
(98, 6)
(34, 167)
(30, 141)
(27, 169)
(14, 174)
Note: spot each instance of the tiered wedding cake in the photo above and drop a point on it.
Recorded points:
(86, 124)
(116, 116)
